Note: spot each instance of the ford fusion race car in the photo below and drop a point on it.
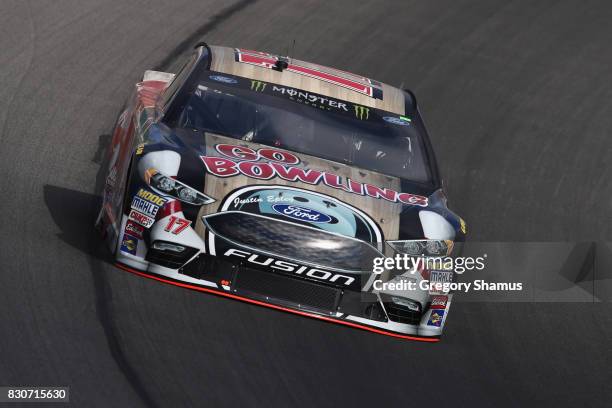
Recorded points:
(281, 183)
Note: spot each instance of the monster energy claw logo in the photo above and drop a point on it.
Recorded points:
(361, 112)
(258, 86)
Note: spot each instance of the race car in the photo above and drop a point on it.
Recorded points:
(282, 183)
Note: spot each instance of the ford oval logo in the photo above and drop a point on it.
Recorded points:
(397, 121)
(301, 213)
(224, 79)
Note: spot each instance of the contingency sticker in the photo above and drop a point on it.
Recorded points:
(141, 219)
(129, 244)
(436, 318)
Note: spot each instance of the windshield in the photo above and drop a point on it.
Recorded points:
(307, 123)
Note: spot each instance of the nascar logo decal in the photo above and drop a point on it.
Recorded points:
(301, 213)
(268, 163)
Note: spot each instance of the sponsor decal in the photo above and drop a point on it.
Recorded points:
(307, 98)
(396, 121)
(177, 225)
(436, 318)
(311, 99)
(439, 302)
(290, 267)
(145, 207)
(361, 112)
(442, 277)
(151, 197)
(141, 219)
(139, 149)
(268, 163)
(258, 86)
(301, 213)
(133, 229)
(147, 202)
(129, 244)
(224, 79)
(345, 219)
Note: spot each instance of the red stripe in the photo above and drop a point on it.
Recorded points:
(323, 68)
(257, 302)
(331, 78)
(169, 208)
(269, 62)
(241, 50)
(257, 60)
(110, 213)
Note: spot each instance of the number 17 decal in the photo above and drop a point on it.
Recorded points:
(177, 225)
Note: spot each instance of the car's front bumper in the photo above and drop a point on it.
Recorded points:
(316, 302)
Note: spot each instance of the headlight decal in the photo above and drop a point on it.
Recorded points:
(175, 188)
(425, 247)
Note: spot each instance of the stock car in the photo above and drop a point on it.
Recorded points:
(280, 182)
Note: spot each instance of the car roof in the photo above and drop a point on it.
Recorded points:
(310, 77)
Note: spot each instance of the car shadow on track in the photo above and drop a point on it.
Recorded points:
(74, 212)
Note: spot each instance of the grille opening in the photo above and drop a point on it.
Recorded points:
(170, 259)
(402, 314)
(285, 239)
(306, 294)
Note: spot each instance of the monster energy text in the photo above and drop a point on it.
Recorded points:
(310, 99)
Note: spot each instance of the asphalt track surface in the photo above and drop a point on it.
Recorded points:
(517, 96)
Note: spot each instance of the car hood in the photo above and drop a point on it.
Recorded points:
(270, 182)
